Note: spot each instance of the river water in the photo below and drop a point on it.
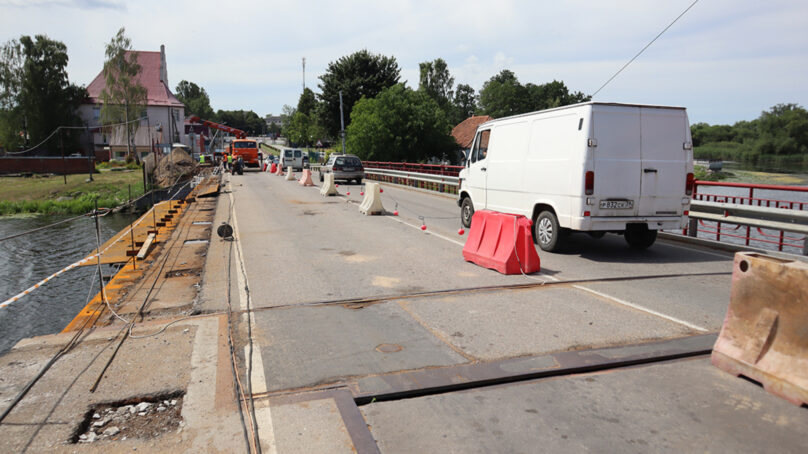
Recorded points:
(26, 260)
(757, 235)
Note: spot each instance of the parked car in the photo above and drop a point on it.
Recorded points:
(591, 167)
(344, 167)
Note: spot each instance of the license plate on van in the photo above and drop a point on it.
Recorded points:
(616, 204)
(348, 169)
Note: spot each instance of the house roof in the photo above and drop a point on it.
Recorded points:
(157, 92)
(464, 132)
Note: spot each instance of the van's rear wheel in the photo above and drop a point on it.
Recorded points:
(321, 176)
(546, 231)
(466, 212)
(638, 236)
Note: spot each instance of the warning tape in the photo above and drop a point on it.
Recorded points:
(27, 291)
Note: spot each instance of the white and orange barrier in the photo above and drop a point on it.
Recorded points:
(305, 179)
(765, 332)
(290, 174)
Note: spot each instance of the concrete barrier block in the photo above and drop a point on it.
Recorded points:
(305, 179)
(372, 203)
(502, 242)
(328, 188)
(765, 332)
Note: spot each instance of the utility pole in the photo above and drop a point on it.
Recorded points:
(341, 122)
(90, 152)
(62, 147)
(126, 125)
(304, 73)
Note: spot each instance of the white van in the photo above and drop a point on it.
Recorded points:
(291, 158)
(591, 167)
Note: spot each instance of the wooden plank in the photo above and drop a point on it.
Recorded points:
(146, 245)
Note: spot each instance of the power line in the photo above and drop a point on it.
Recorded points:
(70, 127)
(646, 47)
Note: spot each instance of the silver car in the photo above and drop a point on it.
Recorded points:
(344, 167)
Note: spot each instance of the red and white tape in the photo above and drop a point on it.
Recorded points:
(27, 291)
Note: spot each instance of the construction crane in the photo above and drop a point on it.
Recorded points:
(210, 124)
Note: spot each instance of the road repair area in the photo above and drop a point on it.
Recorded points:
(316, 328)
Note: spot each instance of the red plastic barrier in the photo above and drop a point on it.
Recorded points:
(265, 167)
(274, 168)
(502, 242)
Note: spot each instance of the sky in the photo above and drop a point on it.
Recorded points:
(724, 60)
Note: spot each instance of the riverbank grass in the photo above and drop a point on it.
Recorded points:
(50, 194)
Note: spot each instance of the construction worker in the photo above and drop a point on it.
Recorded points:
(230, 162)
(201, 159)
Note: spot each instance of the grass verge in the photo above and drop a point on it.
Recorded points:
(50, 194)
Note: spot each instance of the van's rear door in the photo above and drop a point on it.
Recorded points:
(617, 160)
(664, 161)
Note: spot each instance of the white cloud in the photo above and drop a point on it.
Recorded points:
(725, 60)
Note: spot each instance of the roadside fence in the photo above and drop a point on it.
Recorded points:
(773, 217)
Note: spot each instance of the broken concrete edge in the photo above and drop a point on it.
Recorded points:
(104, 333)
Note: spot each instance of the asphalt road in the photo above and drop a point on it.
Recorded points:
(337, 297)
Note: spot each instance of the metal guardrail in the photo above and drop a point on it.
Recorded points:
(744, 218)
(434, 182)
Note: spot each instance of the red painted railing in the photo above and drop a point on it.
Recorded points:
(746, 194)
(749, 194)
(432, 169)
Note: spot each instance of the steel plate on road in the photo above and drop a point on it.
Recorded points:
(616, 204)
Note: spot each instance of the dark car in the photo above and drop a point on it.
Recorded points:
(344, 167)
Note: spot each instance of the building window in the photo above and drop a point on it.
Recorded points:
(96, 113)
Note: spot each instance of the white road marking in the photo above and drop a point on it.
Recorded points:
(426, 231)
(595, 292)
(266, 429)
(642, 309)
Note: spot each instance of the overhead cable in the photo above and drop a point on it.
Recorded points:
(646, 47)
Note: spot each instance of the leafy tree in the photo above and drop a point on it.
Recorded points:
(436, 82)
(196, 100)
(123, 96)
(464, 103)
(777, 140)
(36, 94)
(304, 130)
(246, 120)
(359, 74)
(399, 125)
(503, 95)
(307, 103)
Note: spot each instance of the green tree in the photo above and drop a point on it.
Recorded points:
(11, 121)
(503, 95)
(246, 120)
(359, 74)
(437, 82)
(123, 96)
(303, 130)
(307, 102)
(399, 125)
(36, 95)
(464, 103)
(196, 100)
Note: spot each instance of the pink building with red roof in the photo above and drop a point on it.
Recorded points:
(164, 112)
